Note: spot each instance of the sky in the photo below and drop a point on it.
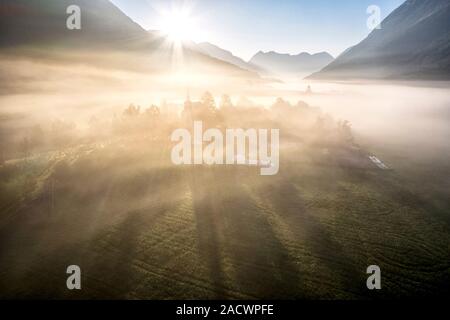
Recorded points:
(245, 27)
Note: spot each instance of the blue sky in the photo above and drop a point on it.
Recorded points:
(287, 26)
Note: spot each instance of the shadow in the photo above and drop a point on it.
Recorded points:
(339, 272)
(243, 254)
(204, 196)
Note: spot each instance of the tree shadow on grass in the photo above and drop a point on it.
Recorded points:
(287, 203)
(243, 254)
(204, 196)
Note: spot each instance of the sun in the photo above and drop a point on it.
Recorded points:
(178, 25)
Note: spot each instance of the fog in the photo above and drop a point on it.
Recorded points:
(404, 116)
(86, 173)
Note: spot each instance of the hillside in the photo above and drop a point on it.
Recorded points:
(286, 64)
(227, 56)
(413, 43)
(27, 26)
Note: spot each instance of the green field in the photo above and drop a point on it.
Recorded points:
(142, 228)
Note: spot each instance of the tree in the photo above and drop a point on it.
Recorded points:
(281, 105)
(225, 102)
(2, 153)
(132, 111)
(208, 101)
(25, 147)
(62, 132)
(153, 111)
(153, 114)
(346, 131)
(37, 137)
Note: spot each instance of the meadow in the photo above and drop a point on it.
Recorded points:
(140, 227)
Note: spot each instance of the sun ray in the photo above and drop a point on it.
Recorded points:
(178, 26)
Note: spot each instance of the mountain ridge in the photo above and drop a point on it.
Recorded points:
(291, 64)
(31, 26)
(227, 56)
(414, 43)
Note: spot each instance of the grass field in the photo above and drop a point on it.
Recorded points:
(142, 228)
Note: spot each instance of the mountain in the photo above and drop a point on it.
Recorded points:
(413, 43)
(224, 55)
(30, 23)
(286, 64)
(41, 25)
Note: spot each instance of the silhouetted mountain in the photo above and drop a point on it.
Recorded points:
(413, 43)
(286, 64)
(224, 55)
(30, 24)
